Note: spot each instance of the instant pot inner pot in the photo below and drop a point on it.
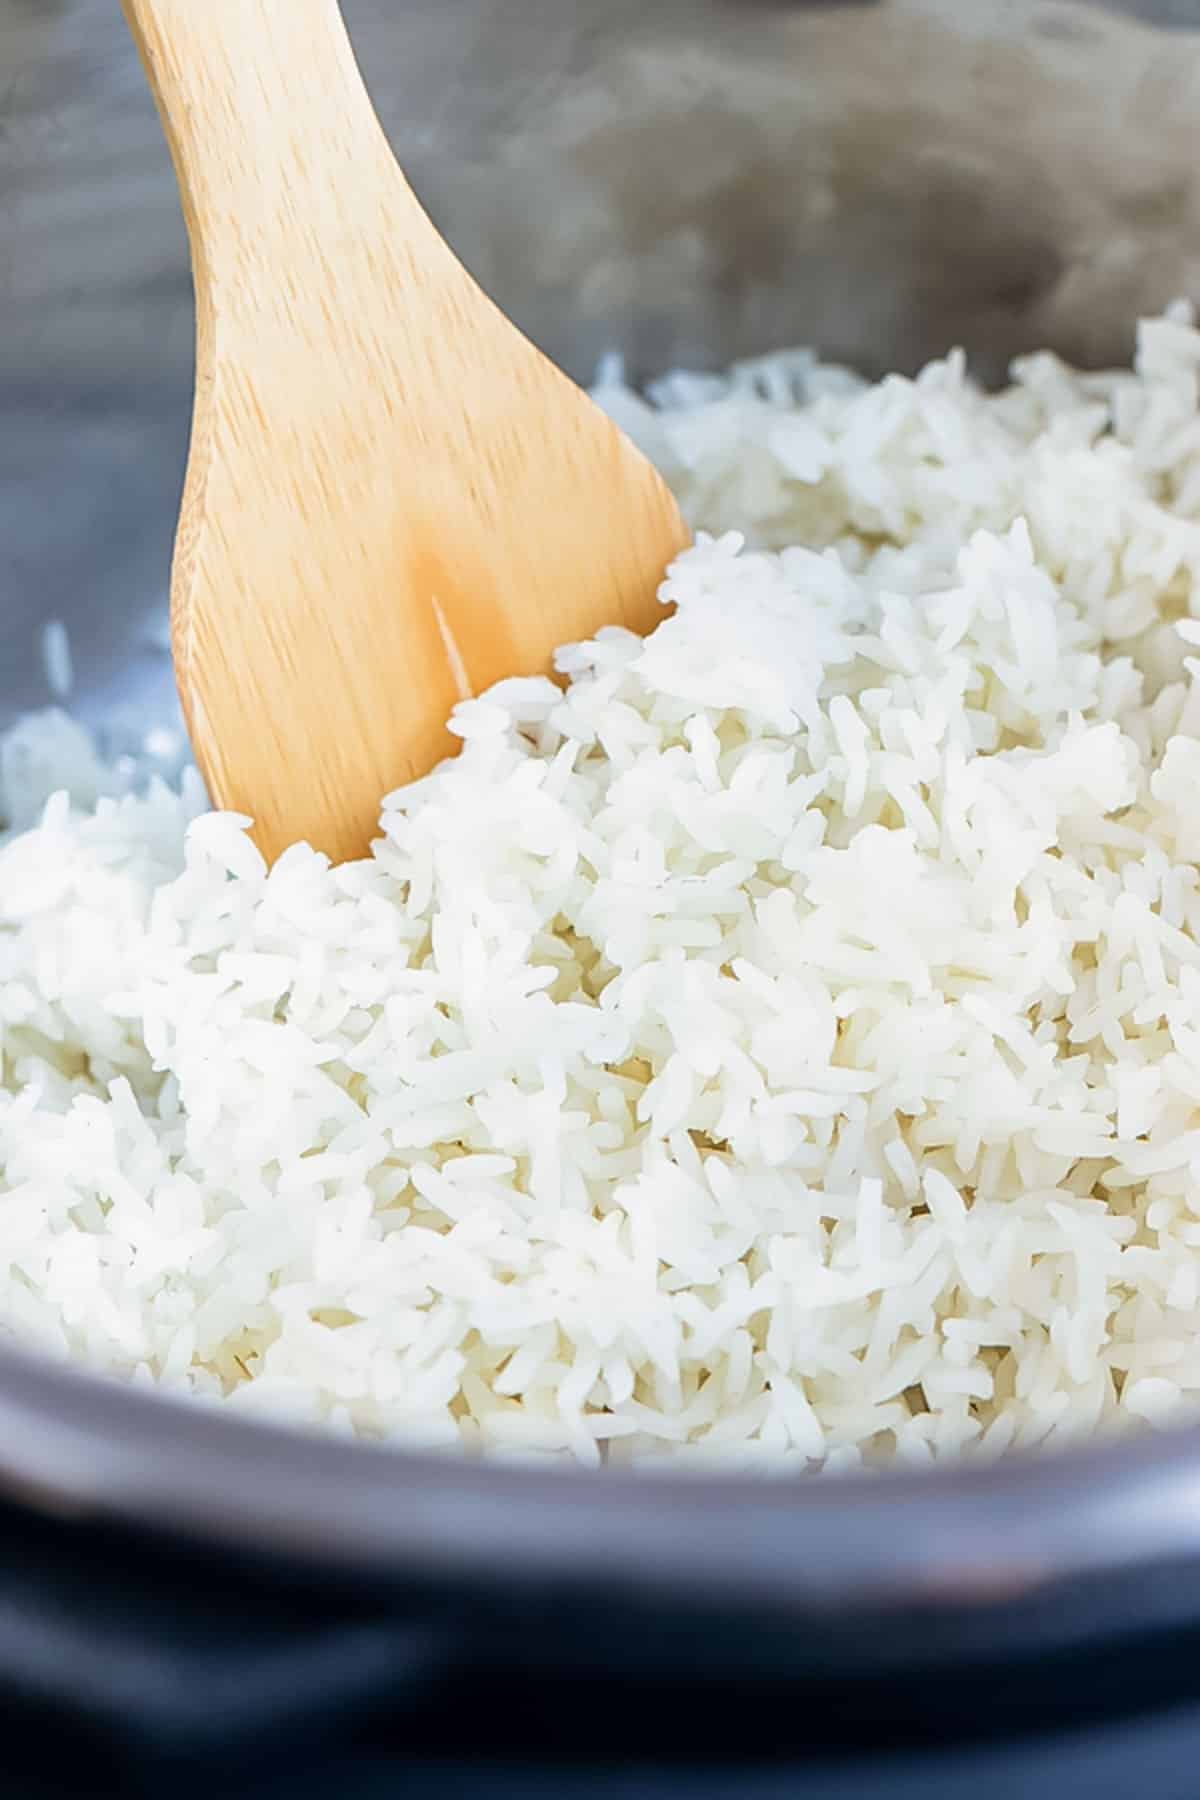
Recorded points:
(686, 181)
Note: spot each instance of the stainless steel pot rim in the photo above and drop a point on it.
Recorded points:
(75, 1444)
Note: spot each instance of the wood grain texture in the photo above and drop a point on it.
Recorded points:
(391, 496)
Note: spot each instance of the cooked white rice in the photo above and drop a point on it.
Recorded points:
(781, 1047)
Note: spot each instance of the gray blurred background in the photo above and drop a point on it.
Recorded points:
(686, 179)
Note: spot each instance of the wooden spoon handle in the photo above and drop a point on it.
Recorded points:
(238, 84)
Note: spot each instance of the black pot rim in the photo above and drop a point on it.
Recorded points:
(79, 1445)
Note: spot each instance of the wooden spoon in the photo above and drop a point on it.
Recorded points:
(392, 498)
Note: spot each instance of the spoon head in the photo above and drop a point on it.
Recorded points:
(382, 518)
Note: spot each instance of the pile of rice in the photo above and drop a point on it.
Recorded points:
(780, 1047)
